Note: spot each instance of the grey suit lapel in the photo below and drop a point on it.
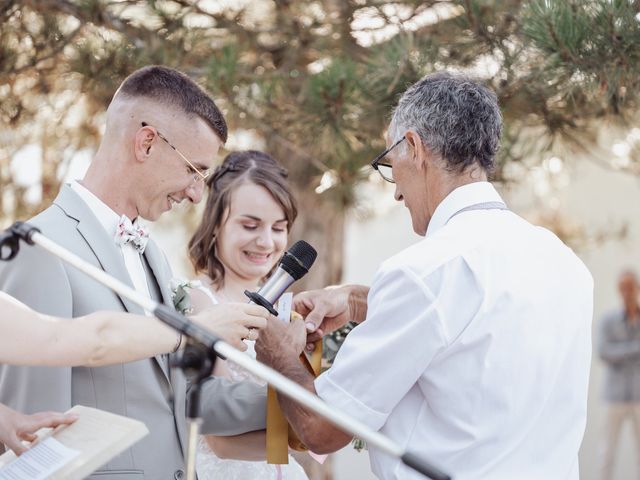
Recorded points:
(155, 260)
(179, 384)
(98, 240)
(157, 263)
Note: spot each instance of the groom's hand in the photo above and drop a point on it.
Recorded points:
(234, 322)
(328, 309)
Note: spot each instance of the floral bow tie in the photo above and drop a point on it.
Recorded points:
(131, 232)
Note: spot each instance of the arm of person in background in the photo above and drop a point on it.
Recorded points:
(330, 308)
(614, 351)
(16, 427)
(102, 338)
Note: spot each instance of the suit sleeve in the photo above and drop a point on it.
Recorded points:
(39, 280)
(614, 351)
(232, 408)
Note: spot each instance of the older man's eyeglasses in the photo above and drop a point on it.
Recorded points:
(198, 175)
(383, 167)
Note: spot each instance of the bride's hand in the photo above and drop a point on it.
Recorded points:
(234, 322)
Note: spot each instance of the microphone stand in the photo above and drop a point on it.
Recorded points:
(197, 362)
(201, 350)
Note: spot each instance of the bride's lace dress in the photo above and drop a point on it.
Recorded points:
(210, 467)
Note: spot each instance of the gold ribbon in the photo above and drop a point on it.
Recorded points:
(280, 435)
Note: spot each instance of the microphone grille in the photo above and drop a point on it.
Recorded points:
(299, 259)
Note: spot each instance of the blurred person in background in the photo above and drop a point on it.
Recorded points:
(619, 349)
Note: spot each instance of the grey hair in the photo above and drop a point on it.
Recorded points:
(455, 116)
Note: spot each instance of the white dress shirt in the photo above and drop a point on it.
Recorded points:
(476, 349)
(109, 220)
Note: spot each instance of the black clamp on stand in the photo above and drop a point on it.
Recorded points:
(197, 362)
(10, 239)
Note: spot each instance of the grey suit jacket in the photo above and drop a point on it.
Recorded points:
(619, 349)
(145, 390)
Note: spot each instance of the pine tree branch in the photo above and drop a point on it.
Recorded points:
(563, 51)
(35, 62)
(275, 135)
(479, 30)
(101, 18)
(8, 8)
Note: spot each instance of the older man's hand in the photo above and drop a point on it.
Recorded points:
(280, 342)
(329, 309)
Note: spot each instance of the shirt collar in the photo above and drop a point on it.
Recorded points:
(461, 197)
(105, 215)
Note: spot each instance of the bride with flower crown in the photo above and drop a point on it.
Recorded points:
(243, 233)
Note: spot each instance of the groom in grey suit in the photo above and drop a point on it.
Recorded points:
(162, 135)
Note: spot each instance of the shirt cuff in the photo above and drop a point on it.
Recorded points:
(335, 396)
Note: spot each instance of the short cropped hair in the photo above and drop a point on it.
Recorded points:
(171, 87)
(457, 117)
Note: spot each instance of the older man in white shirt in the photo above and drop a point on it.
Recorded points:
(474, 345)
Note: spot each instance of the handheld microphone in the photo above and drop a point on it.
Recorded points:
(294, 265)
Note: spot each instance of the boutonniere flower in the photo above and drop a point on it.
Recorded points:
(180, 294)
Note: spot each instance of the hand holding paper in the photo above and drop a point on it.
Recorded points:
(16, 427)
(78, 449)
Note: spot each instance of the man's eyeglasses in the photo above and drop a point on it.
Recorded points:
(197, 174)
(384, 168)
